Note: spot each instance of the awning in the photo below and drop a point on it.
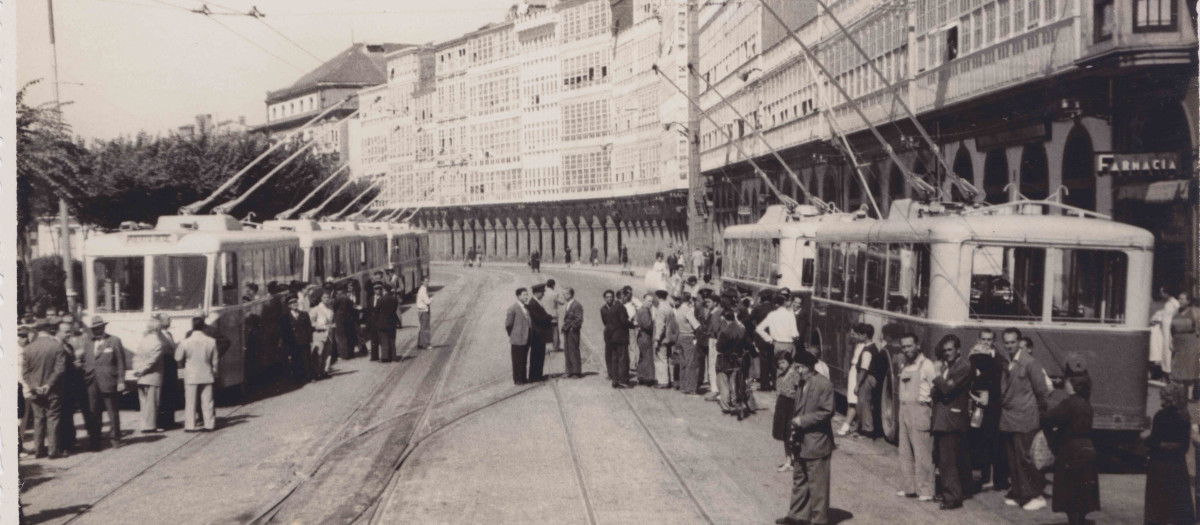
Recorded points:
(1162, 191)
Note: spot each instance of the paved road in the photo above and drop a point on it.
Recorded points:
(472, 447)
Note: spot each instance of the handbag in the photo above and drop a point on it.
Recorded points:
(1043, 457)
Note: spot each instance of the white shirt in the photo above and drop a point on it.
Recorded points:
(631, 310)
(781, 323)
(322, 316)
(423, 300)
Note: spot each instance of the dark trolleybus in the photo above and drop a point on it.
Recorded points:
(1075, 284)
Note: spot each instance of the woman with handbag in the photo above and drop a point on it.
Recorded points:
(1076, 481)
(1185, 340)
(1168, 490)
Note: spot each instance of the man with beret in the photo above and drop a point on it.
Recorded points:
(385, 318)
(42, 370)
(812, 427)
(541, 333)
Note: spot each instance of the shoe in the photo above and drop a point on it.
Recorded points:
(938, 498)
(63, 454)
(949, 506)
(784, 467)
(1011, 502)
(385, 360)
(925, 498)
(1037, 503)
(190, 430)
(711, 397)
(903, 494)
(788, 521)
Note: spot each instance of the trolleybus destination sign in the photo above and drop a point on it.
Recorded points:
(1137, 164)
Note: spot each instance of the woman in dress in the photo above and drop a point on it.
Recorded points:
(655, 278)
(1168, 485)
(1076, 481)
(1185, 338)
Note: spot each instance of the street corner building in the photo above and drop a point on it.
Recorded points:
(569, 123)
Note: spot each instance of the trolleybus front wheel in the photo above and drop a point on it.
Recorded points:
(889, 413)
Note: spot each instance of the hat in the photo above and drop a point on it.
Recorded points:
(806, 358)
(23, 330)
(291, 298)
(539, 288)
(377, 285)
(661, 294)
(692, 279)
(785, 291)
(96, 322)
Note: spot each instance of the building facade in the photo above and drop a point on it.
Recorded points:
(1093, 102)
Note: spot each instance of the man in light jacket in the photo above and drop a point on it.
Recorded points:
(571, 325)
(198, 356)
(147, 368)
(519, 327)
(1023, 394)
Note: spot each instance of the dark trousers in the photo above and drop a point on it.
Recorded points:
(616, 357)
(106, 401)
(77, 399)
(558, 343)
(341, 340)
(954, 465)
(387, 344)
(537, 358)
(423, 336)
(46, 412)
(866, 406)
(766, 367)
(519, 356)
(810, 491)
(988, 457)
(1027, 481)
(574, 363)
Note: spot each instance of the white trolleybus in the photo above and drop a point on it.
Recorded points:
(1073, 281)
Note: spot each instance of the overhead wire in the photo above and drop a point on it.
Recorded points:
(255, 44)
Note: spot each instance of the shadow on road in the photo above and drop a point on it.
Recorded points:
(49, 514)
(32, 475)
(838, 515)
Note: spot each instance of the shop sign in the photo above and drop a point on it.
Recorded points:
(1158, 165)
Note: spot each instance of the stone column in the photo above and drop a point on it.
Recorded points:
(543, 244)
(554, 248)
(612, 247)
(489, 240)
(507, 249)
(519, 239)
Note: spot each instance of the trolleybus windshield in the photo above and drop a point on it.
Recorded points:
(1086, 285)
(179, 282)
(119, 284)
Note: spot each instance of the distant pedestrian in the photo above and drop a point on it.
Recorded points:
(916, 442)
(535, 262)
(1024, 389)
(762, 363)
(43, 366)
(672, 263)
(1160, 331)
(716, 323)
(520, 330)
(198, 356)
(656, 278)
(343, 323)
(567, 256)
(542, 332)
(813, 423)
(625, 297)
(951, 418)
(616, 339)
(697, 262)
(571, 326)
(1076, 481)
(386, 319)
(109, 375)
(645, 340)
(147, 368)
(730, 342)
(595, 256)
(1168, 490)
(424, 303)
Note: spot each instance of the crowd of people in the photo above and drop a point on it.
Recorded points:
(69, 366)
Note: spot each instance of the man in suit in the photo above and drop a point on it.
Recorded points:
(542, 332)
(386, 321)
(42, 368)
(520, 330)
(108, 374)
(813, 434)
(343, 322)
(75, 388)
(552, 302)
(571, 325)
(616, 339)
(169, 393)
(198, 356)
(299, 332)
(1023, 392)
(951, 418)
(147, 368)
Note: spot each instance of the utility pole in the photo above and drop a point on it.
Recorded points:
(699, 218)
(64, 216)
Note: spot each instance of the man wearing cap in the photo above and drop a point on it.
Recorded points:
(386, 320)
(520, 331)
(147, 368)
(198, 356)
(541, 333)
(42, 370)
(108, 373)
(813, 430)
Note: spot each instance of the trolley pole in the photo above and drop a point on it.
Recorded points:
(64, 215)
(699, 219)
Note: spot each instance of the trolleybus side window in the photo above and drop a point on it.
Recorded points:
(896, 301)
(179, 282)
(807, 272)
(837, 274)
(855, 262)
(1088, 285)
(875, 274)
(1006, 282)
(225, 282)
(337, 261)
(120, 286)
(318, 264)
(823, 259)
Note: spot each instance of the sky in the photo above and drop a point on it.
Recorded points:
(127, 66)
